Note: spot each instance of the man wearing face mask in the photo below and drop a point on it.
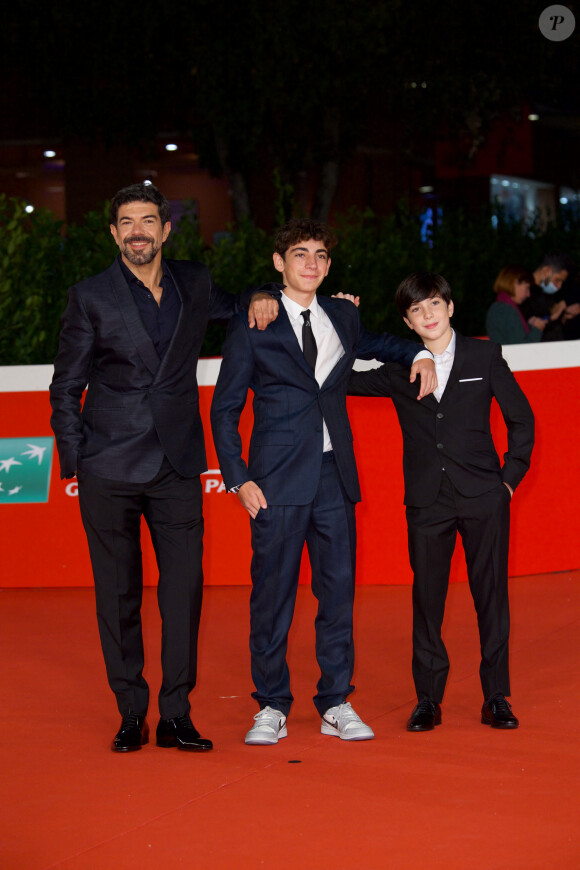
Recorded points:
(546, 299)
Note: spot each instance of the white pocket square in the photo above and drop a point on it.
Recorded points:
(465, 380)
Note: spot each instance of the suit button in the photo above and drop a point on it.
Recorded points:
(440, 446)
(440, 416)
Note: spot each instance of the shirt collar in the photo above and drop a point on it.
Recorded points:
(449, 350)
(130, 276)
(294, 309)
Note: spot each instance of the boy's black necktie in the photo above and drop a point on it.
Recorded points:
(309, 348)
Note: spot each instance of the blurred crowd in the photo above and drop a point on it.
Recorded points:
(543, 305)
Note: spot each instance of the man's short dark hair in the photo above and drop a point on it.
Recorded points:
(419, 286)
(301, 230)
(558, 261)
(140, 193)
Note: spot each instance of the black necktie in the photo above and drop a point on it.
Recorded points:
(309, 348)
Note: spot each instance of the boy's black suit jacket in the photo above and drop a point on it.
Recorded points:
(454, 434)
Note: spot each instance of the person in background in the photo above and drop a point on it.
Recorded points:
(504, 321)
(546, 299)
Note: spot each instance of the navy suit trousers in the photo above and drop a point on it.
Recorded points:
(327, 526)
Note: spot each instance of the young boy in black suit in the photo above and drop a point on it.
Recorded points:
(454, 481)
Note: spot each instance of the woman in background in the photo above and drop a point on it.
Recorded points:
(504, 322)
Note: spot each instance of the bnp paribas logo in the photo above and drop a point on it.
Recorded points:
(25, 470)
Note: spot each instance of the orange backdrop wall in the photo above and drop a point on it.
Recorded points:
(44, 544)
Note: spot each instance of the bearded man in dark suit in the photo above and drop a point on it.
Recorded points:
(133, 334)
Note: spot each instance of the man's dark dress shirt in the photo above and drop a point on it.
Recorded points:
(159, 320)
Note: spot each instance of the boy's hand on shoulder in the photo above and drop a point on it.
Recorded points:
(426, 369)
(354, 299)
(262, 311)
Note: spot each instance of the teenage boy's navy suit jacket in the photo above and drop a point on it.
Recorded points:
(454, 434)
(285, 452)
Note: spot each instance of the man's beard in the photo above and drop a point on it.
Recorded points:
(140, 258)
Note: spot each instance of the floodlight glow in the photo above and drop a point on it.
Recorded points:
(50, 153)
(564, 200)
(171, 147)
(28, 209)
(533, 117)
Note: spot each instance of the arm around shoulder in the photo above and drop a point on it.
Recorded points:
(261, 303)
(386, 348)
(374, 382)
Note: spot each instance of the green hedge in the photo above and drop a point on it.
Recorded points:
(40, 259)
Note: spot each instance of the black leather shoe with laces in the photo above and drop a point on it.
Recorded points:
(132, 735)
(497, 712)
(425, 716)
(181, 733)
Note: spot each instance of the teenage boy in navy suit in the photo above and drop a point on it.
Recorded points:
(300, 484)
(454, 481)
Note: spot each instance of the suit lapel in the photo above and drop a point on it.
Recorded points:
(282, 329)
(455, 369)
(132, 319)
(332, 310)
(401, 375)
(178, 338)
(430, 401)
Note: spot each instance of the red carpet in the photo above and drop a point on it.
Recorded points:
(464, 796)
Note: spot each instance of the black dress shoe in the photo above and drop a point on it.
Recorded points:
(132, 735)
(425, 716)
(497, 712)
(181, 733)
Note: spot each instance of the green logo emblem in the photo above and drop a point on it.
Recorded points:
(25, 465)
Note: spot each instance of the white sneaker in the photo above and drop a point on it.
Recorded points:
(343, 722)
(269, 728)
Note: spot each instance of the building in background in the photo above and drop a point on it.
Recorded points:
(528, 166)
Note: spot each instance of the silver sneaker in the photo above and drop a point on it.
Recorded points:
(343, 722)
(269, 728)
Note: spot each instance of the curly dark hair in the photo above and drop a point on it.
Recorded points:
(301, 230)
